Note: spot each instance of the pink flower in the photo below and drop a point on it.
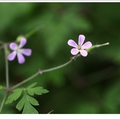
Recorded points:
(19, 52)
(80, 47)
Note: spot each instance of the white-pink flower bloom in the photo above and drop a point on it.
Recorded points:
(19, 52)
(80, 47)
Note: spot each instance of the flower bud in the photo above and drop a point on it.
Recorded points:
(97, 46)
(18, 39)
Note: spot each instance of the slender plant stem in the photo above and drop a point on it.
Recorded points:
(6, 66)
(50, 111)
(7, 77)
(3, 102)
(54, 68)
(34, 31)
(43, 71)
(51, 69)
(26, 80)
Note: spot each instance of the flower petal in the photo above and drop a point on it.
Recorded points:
(83, 53)
(72, 43)
(26, 52)
(81, 40)
(87, 45)
(21, 58)
(13, 46)
(22, 42)
(11, 56)
(74, 51)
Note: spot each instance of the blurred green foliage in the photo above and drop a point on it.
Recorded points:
(87, 85)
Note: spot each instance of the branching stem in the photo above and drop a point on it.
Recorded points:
(43, 71)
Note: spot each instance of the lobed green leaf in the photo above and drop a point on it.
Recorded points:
(32, 100)
(29, 109)
(21, 103)
(26, 101)
(30, 91)
(36, 90)
(14, 96)
(40, 90)
(26, 104)
(32, 85)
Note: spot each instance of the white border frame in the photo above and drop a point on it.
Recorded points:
(60, 116)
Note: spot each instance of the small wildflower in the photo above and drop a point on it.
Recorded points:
(18, 51)
(80, 47)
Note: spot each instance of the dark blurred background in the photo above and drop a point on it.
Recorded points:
(88, 85)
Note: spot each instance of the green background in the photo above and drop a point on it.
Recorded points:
(88, 85)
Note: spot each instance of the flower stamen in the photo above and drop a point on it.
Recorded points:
(79, 47)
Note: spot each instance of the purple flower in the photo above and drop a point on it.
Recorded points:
(80, 47)
(18, 51)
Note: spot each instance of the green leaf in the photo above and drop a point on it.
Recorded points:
(36, 90)
(32, 85)
(27, 101)
(29, 109)
(32, 100)
(21, 103)
(26, 104)
(40, 90)
(14, 96)
(30, 92)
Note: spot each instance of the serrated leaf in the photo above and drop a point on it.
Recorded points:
(32, 85)
(26, 104)
(29, 109)
(40, 90)
(36, 90)
(14, 96)
(21, 103)
(32, 100)
(30, 91)
(27, 101)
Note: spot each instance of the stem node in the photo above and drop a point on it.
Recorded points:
(8, 90)
(40, 72)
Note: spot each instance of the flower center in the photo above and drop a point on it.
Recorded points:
(18, 50)
(79, 47)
